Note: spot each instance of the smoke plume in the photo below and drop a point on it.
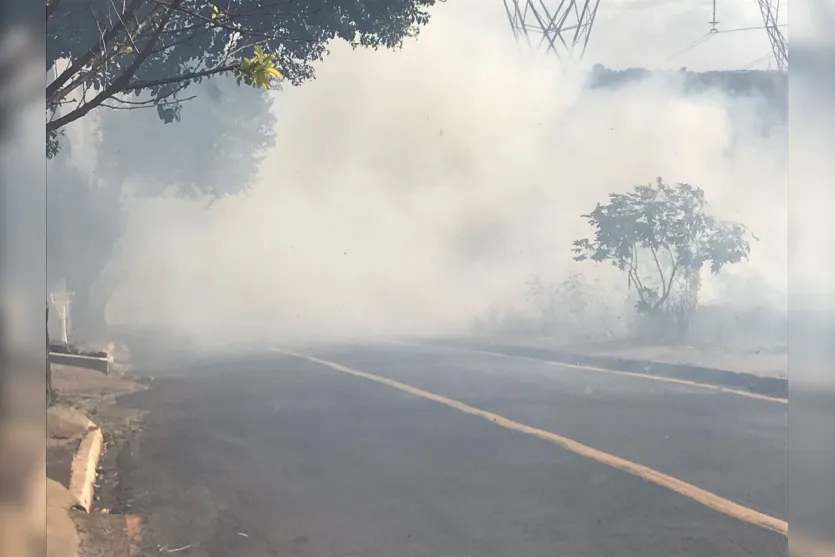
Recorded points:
(407, 191)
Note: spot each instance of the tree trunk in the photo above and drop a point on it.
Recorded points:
(50, 390)
(655, 327)
(51, 396)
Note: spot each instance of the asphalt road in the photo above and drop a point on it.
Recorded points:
(271, 455)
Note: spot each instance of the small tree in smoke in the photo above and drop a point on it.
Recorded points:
(661, 236)
(544, 299)
(561, 305)
(570, 309)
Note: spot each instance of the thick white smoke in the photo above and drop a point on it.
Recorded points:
(409, 190)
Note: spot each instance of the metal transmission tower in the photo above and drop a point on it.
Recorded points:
(559, 26)
(770, 10)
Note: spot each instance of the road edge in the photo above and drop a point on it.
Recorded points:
(83, 468)
(748, 382)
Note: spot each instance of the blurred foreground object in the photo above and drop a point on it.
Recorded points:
(811, 270)
(21, 57)
(22, 282)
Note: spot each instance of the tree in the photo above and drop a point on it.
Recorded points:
(84, 220)
(662, 236)
(156, 49)
(214, 152)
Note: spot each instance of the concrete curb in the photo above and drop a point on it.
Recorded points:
(89, 362)
(84, 465)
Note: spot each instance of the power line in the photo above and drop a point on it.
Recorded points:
(755, 28)
(687, 48)
(714, 31)
(762, 58)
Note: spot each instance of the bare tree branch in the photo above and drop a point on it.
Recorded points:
(91, 53)
(660, 271)
(150, 103)
(122, 22)
(229, 18)
(84, 75)
(147, 84)
(668, 287)
(119, 83)
(633, 272)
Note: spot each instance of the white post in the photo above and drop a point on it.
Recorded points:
(63, 312)
(62, 301)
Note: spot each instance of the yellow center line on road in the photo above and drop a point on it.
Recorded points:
(646, 376)
(690, 491)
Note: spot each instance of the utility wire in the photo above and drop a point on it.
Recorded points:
(691, 46)
(687, 48)
(758, 28)
(758, 60)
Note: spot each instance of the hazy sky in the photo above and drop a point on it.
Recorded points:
(652, 33)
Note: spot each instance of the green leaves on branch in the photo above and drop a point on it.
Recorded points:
(148, 53)
(656, 234)
(53, 142)
(258, 71)
(123, 50)
(217, 15)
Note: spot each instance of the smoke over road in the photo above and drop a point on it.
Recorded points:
(408, 191)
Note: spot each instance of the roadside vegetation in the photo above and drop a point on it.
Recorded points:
(664, 241)
(207, 70)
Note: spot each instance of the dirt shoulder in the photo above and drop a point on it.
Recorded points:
(87, 405)
(760, 364)
(760, 373)
(89, 389)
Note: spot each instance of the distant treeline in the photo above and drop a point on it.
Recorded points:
(771, 86)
